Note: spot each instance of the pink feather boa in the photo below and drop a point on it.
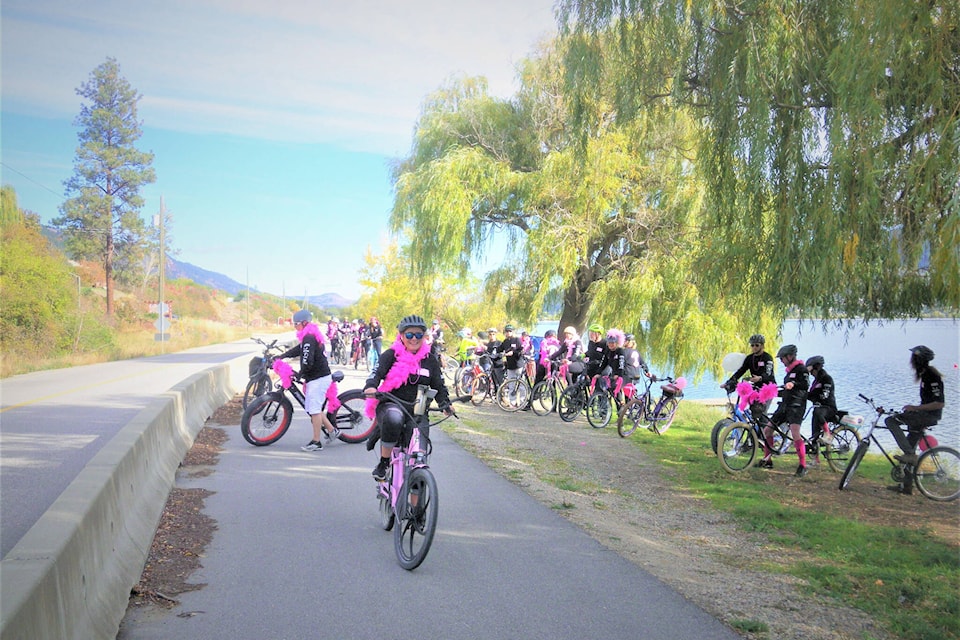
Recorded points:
(749, 395)
(405, 365)
(312, 330)
(285, 371)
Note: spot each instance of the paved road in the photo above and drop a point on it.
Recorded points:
(54, 422)
(299, 553)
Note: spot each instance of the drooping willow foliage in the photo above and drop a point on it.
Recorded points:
(828, 136)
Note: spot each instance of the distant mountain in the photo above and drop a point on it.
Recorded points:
(177, 269)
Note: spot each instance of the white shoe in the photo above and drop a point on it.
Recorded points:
(826, 439)
(312, 446)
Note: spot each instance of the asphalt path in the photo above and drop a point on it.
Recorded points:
(299, 553)
(53, 422)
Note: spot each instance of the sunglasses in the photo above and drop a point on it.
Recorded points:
(756, 345)
(410, 335)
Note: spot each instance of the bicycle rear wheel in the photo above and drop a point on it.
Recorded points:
(737, 447)
(351, 417)
(599, 409)
(853, 463)
(266, 419)
(938, 474)
(417, 510)
(256, 387)
(663, 415)
(480, 388)
(715, 432)
(841, 449)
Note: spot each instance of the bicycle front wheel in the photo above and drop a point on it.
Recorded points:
(715, 432)
(632, 417)
(599, 409)
(480, 388)
(266, 419)
(256, 387)
(841, 449)
(570, 403)
(351, 417)
(417, 510)
(543, 397)
(938, 474)
(737, 447)
(853, 463)
(663, 415)
(513, 395)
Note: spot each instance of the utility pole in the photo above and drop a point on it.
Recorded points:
(162, 324)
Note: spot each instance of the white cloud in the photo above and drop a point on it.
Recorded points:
(350, 73)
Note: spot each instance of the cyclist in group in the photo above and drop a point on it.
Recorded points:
(570, 353)
(614, 363)
(596, 353)
(548, 346)
(760, 365)
(512, 350)
(315, 371)
(917, 417)
(333, 334)
(403, 367)
(796, 384)
(823, 394)
(468, 345)
(435, 336)
(633, 364)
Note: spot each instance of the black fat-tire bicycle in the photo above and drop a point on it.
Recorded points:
(267, 418)
(260, 379)
(937, 470)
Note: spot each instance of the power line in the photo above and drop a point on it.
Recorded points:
(39, 184)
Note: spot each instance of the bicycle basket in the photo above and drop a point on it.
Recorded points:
(255, 363)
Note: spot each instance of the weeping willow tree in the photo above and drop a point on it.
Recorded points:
(828, 134)
(600, 217)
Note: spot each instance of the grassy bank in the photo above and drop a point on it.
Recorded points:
(186, 334)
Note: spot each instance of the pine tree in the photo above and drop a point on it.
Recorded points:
(101, 220)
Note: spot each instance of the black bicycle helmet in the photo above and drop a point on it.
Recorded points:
(412, 321)
(815, 361)
(787, 350)
(757, 339)
(922, 353)
(550, 334)
(629, 337)
(302, 316)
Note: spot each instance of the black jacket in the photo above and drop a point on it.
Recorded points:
(430, 374)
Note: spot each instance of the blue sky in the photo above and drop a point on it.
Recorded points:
(272, 124)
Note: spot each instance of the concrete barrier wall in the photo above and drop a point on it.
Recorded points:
(71, 574)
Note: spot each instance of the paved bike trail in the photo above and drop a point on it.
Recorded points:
(299, 553)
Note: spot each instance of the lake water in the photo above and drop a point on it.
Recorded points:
(872, 360)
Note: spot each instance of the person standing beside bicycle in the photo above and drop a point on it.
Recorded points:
(917, 417)
(614, 363)
(315, 371)
(512, 350)
(403, 367)
(376, 339)
(793, 400)
(823, 394)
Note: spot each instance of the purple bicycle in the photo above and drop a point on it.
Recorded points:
(408, 496)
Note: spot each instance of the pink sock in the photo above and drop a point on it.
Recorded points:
(801, 452)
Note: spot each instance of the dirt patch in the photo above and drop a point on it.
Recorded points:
(184, 530)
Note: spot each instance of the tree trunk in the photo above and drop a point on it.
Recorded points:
(576, 301)
(108, 274)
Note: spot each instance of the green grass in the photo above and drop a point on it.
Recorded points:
(909, 579)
